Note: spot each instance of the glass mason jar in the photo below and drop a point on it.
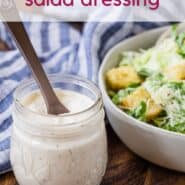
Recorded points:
(69, 149)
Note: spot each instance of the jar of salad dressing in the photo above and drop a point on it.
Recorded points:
(68, 149)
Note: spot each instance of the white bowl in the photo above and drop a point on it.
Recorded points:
(159, 146)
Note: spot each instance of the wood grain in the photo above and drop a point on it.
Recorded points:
(8, 179)
(125, 168)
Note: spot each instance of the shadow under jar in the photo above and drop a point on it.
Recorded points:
(68, 149)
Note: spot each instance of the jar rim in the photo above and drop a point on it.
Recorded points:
(53, 77)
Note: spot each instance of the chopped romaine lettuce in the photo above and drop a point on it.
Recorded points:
(168, 91)
(139, 112)
(118, 97)
(171, 96)
(128, 58)
(156, 59)
(180, 40)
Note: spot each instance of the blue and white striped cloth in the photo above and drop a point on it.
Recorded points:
(61, 49)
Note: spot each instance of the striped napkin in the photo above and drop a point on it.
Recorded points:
(61, 49)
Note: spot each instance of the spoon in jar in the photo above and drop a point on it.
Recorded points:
(54, 106)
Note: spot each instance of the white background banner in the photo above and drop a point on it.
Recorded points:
(98, 10)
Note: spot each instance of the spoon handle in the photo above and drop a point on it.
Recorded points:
(23, 43)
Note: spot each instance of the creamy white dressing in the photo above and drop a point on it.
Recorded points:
(75, 102)
(74, 155)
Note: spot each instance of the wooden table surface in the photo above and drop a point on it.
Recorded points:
(125, 168)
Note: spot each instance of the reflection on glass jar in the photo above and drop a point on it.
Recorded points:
(69, 149)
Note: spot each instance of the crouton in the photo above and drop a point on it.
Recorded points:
(175, 72)
(133, 100)
(122, 77)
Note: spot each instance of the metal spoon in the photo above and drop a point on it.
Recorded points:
(54, 106)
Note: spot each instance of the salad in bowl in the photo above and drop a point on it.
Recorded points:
(149, 84)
